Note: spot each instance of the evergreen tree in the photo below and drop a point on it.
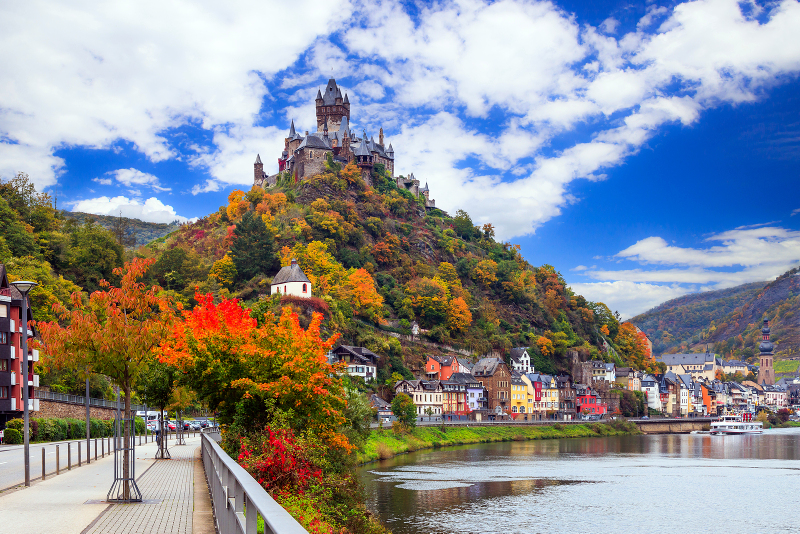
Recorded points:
(253, 250)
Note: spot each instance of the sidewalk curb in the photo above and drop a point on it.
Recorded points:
(203, 514)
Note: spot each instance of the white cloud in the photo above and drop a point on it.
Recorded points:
(103, 181)
(134, 177)
(151, 210)
(88, 74)
(629, 298)
(795, 212)
(744, 255)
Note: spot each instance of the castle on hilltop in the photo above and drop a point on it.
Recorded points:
(304, 155)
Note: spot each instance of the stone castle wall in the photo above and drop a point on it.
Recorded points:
(62, 409)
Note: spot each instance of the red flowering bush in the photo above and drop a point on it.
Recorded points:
(276, 459)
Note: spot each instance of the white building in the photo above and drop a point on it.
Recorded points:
(521, 360)
(291, 280)
(360, 361)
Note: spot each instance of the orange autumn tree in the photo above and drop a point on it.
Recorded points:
(250, 373)
(114, 333)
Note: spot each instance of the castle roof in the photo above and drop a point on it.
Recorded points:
(331, 93)
(258, 159)
(313, 141)
(319, 95)
(362, 149)
(346, 100)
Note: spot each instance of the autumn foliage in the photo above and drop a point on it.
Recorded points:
(228, 359)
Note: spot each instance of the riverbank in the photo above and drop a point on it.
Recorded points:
(385, 443)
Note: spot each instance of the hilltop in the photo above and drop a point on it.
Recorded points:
(730, 319)
(379, 257)
(680, 322)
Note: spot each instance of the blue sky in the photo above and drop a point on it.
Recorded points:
(646, 150)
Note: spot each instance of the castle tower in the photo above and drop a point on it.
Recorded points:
(766, 374)
(331, 107)
(380, 137)
(258, 171)
(364, 160)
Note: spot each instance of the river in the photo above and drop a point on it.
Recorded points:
(663, 483)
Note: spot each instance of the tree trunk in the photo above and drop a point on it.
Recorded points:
(126, 467)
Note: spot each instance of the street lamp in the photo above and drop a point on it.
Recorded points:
(24, 287)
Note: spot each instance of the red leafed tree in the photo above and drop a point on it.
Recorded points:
(247, 371)
(114, 334)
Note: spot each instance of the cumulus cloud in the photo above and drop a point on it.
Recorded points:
(743, 255)
(151, 210)
(91, 75)
(629, 298)
(88, 74)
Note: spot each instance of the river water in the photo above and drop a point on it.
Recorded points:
(653, 484)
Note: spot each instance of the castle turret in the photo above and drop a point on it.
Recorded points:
(380, 137)
(390, 151)
(331, 107)
(258, 171)
(364, 160)
(766, 373)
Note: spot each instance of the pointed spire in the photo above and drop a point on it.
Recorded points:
(346, 100)
(319, 94)
(258, 159)
(391, 150)
(292, 131)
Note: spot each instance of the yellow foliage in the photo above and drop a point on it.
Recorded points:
(545, 346)
(237, 206)
(224, 271)
(458, 315)
(485, 272)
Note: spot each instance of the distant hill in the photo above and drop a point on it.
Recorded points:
(729, 318)
(140, 231)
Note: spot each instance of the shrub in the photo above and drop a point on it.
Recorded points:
(383, 450)
(16, 424)
(12, 436)
(558, 426)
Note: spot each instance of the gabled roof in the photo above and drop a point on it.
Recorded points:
(469, 365)
(290, 273)
(486, 367)
(516, 353)
(360, 354)
(687, 359)
(464, 378)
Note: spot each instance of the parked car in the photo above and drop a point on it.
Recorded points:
(204, 424)
(187, 425)
(195, 425)
(171, 426)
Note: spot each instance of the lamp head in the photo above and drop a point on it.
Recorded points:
(23, 286)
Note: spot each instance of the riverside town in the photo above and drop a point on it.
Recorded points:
(399, 268)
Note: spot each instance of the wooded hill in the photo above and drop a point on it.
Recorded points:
(377, 259)
(134, 232)
(730, 319)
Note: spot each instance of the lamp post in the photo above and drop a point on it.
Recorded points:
(24, 287)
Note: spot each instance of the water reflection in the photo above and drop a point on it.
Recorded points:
(613, 484)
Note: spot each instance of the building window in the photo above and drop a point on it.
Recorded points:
(3, 338)
(3, 311)
(3, 365)
(284, 290)
(3, 392)
(304, 288)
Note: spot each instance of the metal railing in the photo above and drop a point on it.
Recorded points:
(237, 498)
(78, 399)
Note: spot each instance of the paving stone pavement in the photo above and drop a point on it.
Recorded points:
(169, 481)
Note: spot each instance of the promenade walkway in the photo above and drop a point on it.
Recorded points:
(175, 493)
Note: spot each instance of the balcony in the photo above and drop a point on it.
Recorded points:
(34, 357)
(13, 378)
(13, 404)
(33, 405)
(33, 380)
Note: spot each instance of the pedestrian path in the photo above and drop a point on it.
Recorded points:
(73, 502)
(169, 486)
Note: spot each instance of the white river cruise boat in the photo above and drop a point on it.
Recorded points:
(734, 424)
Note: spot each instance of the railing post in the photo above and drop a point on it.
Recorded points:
(95, 449)
(79, 454)
(69, 457)
(58, 467)
(44, 473)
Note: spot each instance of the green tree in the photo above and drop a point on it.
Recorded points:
(405, 410)
(17, 237)
(51, 290)
(93, 255)
(462, 224)
(253, 250)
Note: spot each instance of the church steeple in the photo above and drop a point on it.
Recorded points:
(766, 373)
